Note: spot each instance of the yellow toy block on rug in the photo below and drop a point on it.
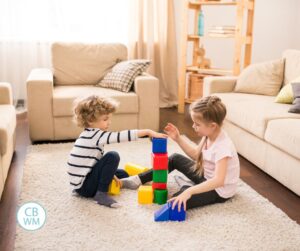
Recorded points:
(145, 195)
(134, 169)
(113, 188)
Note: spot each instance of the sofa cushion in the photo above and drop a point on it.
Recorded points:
(81, 64)
(292, 65)
(122, 75)
(285, 134)
(64, 96)
(253, 112)
(7, 125)
(262, 78)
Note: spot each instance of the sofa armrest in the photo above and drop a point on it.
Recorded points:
(39, 104)
(147, 89)
(5, 94)
(218, 84)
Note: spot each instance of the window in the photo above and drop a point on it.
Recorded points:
(68, 20)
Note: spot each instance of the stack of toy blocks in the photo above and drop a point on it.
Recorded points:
(160, 170)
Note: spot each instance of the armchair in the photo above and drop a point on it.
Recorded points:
(76, 69)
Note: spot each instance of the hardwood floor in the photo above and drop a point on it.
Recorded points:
(253, 176)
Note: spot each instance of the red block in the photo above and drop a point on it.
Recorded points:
(161, 186)
(159, 161)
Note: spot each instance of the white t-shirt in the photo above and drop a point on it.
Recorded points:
(222, 147)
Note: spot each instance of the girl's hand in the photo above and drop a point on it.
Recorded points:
(118, 181)
(180, 199)
(154, 134)
(172, 131)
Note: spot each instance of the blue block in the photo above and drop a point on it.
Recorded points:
(165, 213)
(162, 214)
(174, 215)
(159, 145)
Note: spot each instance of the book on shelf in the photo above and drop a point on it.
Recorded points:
(221, 32)
(223, 27)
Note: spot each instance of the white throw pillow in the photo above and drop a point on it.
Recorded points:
(263, 78)
(122, 75)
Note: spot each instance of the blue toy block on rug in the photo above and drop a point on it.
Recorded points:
(165, 213)
(175, 215)
(159, 145)
(162, 214)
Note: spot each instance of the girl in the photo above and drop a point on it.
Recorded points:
(90, 170)
(213, 165)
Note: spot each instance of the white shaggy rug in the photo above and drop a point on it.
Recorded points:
(247, 222)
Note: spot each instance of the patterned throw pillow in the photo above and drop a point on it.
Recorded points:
(122, 75)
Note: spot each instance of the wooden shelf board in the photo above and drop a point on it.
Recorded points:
(221, 35)
(189, 101)
(198, 3)
(246, 40)
(211, 71)
(193, 37)
(196, 37)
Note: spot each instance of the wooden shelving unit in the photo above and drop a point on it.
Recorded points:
(241, 38)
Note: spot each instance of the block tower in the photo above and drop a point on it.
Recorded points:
(159, 159)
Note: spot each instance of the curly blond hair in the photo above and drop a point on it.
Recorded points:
(89, 109)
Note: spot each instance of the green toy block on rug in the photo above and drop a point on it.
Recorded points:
(160, 196)
(160, 176)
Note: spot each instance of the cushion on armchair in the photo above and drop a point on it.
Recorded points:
(122, 75)
(262, 78)
(84, 64)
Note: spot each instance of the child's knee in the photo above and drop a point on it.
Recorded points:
(114, 155)
(174, 157)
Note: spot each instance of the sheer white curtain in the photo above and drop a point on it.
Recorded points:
(27, 28)
(152, 35)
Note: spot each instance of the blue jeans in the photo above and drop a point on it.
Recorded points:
(101, 175)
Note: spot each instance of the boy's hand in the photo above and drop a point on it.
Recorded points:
(172, 131)
(118, 181)
(181, 199)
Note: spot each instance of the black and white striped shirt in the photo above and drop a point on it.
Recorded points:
(89, 148)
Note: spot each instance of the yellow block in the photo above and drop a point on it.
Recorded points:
(145, 195)
(134, 169)
(113, 188)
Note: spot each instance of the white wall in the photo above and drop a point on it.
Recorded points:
(298, 23)
(276, 28)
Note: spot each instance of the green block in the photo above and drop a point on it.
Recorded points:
(160, 176)
(160, 196)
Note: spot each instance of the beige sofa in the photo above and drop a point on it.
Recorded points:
(76, 68)
(7, 131)
(263, 131)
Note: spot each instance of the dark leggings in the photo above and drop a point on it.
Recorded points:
(185, 166)
(101, 175)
